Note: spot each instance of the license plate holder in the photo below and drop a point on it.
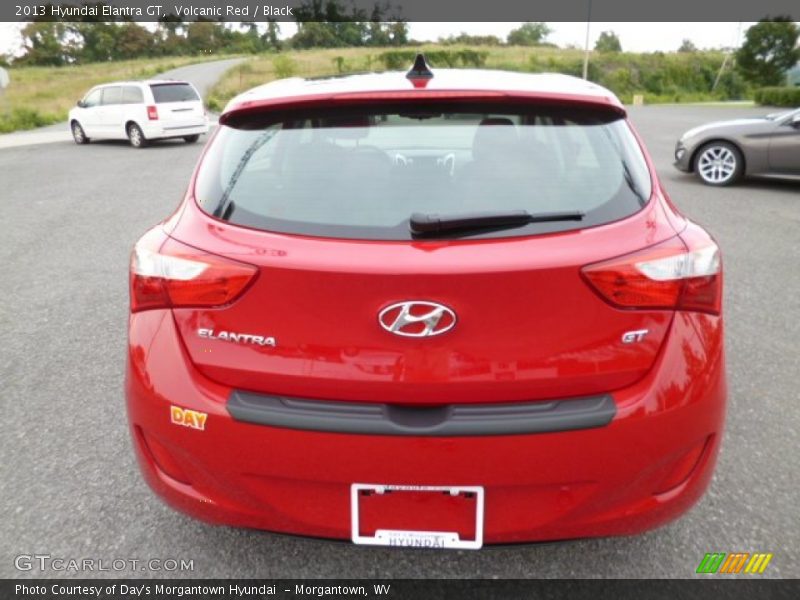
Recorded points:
(416, 538)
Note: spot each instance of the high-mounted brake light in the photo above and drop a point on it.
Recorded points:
(152, 113)
(675, 275)
(168, 274)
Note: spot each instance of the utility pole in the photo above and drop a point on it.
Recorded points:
(586, 45)
(728, 56)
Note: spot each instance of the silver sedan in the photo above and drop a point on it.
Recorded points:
(722, 153)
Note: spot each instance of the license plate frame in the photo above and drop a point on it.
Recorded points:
(417, 539)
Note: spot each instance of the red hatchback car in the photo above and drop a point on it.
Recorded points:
(435, 309)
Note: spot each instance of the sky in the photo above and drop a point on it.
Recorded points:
(635, 37)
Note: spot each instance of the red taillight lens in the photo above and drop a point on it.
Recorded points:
(152, 113)
(166, 273)
(672, 275)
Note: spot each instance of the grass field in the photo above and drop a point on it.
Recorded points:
(659, 77)
(40, 96)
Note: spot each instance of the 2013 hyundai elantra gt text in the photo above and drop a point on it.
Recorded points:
(437, 308)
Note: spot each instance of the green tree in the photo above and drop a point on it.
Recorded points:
(769, 50)
(313, 34)
(608, 42)
(95, 41)
(386, 29)
(170, 36)
(205, 37)
(132, 41)
(171, 23)
(687, 46)
(244, 39)
(470, 40)
(327, 24)
(377, 35)
(173, 44)
(330, 34)
(44, 44)
(272, 36)
(330, 24)
(387, 33)
(398, 32)
(529, 34)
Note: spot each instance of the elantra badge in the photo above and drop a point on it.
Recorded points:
(417, 318)
(239, 338)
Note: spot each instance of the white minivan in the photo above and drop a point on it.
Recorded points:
(139, 111)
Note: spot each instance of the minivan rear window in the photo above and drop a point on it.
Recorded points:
(173, 92)
(361, 173)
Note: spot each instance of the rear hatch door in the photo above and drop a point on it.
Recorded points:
(178, 104)
(526, 324)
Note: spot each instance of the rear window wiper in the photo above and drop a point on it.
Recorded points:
(423, 224)
(631, 183)
(225, 199)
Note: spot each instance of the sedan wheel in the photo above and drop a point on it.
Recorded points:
(719, 163)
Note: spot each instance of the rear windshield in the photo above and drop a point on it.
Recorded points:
(361, 173)
(173, 92)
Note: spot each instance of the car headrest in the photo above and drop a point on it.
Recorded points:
(493, 137)
(495, 121)
(346, 127)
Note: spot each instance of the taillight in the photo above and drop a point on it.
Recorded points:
(165, 273)
(152, 113)
(676, 274)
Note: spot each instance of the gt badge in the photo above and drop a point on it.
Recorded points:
(630, 337)
(188, 418)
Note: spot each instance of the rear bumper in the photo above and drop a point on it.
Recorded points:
(160, 130)
(454, 420)
(650, 464)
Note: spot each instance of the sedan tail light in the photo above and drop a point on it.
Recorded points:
(679, 274)
(152, 113)
(167, 274)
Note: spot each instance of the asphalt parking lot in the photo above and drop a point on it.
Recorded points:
(70, 485)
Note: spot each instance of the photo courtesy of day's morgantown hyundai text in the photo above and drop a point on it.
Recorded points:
(430, 308)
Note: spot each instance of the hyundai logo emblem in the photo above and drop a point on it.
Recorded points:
(417, 318)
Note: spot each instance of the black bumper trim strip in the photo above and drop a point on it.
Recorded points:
(449, 420)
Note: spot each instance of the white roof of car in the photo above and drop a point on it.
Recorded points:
(141, 82)
(477, 80)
